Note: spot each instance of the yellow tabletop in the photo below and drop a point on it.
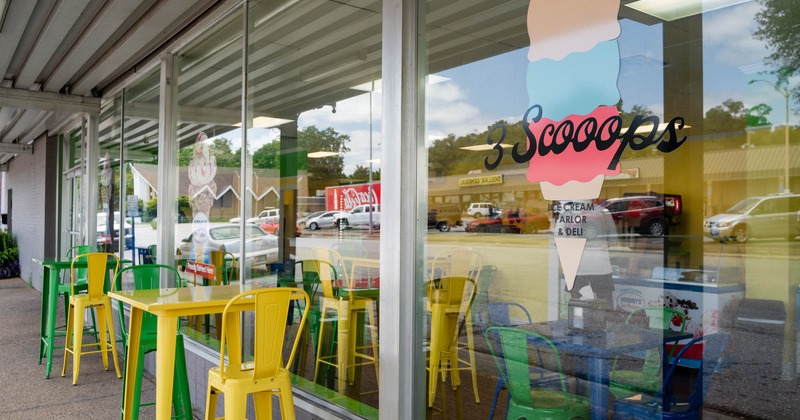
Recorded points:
(168, 305)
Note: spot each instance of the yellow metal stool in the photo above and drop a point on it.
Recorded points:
(453, 282)
(341, 298)
(266, 374)
(94, 298)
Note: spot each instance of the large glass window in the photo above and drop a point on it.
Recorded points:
(295, 176)
(614, 183)
(313, 148)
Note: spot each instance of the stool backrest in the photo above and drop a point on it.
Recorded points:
(271, 309)
(74, 252)
(97, 266)
(331, 270)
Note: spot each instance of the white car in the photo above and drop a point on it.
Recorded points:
(360, 216)
(262, 247)
(103, 234)
(303, 221)
(324, 220)
(265, 216)
(478, 210)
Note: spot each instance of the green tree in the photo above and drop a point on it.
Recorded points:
(778, 27)
(185, 155)
(757, 115)
(361, 174)
(268, 156)
(184, 208)
(326, 171)
(151, 208)
(729, 117)
(628, 116)
(221, 148)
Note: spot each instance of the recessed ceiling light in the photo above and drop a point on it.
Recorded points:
(321, 154)
(669, 10)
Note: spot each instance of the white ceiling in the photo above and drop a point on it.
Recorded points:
(77, 48)
(305, 54)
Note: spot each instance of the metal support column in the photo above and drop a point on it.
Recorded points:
(402, 368)
(167, 158)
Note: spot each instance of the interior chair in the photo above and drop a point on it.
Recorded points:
(266, 374)
(227, 270)
(501, 314)
(346, 306)
(665, 404)
(451, 290)
(95, 297)
(530, 366)
(625, 381)
(153, 276)
(305, 274)
(150, 258)
(354, 249)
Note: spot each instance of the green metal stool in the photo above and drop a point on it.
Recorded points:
(149, 276)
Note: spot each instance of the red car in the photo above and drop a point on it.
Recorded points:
(273, 227)
(512, 221)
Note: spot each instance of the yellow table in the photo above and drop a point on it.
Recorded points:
(168, 305)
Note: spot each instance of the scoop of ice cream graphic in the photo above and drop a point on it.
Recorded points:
(572, 75)
(203, 188)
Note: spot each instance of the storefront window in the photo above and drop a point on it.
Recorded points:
(111, 228)
(314, 147)
(140, 156)
(584, 168)
(296, 173)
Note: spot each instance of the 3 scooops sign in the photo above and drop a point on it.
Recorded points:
(574, 132)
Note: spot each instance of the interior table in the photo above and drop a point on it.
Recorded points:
(50, 281)
(599, 348)
(168, 305)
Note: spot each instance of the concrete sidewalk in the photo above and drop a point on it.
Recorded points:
(27, 393)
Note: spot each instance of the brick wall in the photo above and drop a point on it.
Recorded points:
(26, 179)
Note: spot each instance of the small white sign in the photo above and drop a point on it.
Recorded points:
(133, 206)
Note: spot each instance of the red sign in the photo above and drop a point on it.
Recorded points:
(346, 197)
(207, 271)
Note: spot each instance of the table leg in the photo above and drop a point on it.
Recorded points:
(165, 365)
(598, 387)
(342, 340)
(50, 327)
(131, 362)
(43, 320)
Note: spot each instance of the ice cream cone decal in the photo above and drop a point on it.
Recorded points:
(570, 251)
(572, 87)
(202, 190)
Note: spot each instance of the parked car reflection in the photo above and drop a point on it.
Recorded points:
(510, 221)
(274, 226)
(324, 220)
(262, 247)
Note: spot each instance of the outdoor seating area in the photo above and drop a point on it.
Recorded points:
(319, 324)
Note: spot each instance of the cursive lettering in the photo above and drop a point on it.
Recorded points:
(556, 137)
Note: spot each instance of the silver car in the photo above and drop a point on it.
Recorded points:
(324, 220)
(262, 247)
(769, 216)
(303, 221)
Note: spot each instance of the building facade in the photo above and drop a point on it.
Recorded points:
(632, 154)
